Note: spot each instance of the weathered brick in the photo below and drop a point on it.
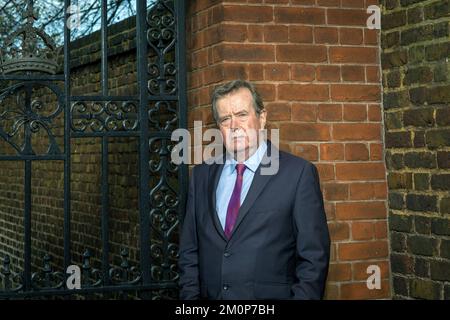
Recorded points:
(443, 158)
(394, 120)
(421, 181)
(425, 289)
(398, 242)
(354, 92)
(419, 139)
(443, 117)
(394, 160)
(447, 292)
(417, 34)
(396, 201)
(422, 267)
(422, 74)
(418, 202)
(303, 92)
(348, 17)
(355, 112)
(445, 248)
(399, 180)
(422, 224)
(441, 30)
(299, 15)
(440, 226)
(415, 15)
(350, 36)
(390, 39)
(440, 270)
(304, 112)
(401, 223)
(400, 285)
(339, 231)
(420, 159)
(301, 53)
(275, 33)
(362, 250)
(422, 245)
(300, 34)
(438, 95)
(360, 210)
(444, 206)
(394, 59)
(304, 132)
(328, 73)
(416, 54)
(241, 13)
(440, 181)
(437, 9)
(438, 138)
(356, 131)
(437, 51)
(418, 95)
(356, 152)
(419, 117)
(353, 54)
(402, 263)
(398, 139)
(326, 35)
(308, 151)
(396, 99)
(393, 20)
(332, 151)
(393, 79)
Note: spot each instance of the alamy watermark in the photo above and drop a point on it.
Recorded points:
(374, 280)
(212, 153)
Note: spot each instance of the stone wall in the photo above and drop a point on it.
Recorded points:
(416, 85)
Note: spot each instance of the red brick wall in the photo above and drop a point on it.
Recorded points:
(317, 67)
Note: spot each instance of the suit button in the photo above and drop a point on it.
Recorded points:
(225, 287)
(226, 254)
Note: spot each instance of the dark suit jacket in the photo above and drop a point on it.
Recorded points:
(279, 247)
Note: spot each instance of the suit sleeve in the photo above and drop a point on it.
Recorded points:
(313, 240)
(188, 260)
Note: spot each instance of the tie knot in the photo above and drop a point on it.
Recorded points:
(240, 168)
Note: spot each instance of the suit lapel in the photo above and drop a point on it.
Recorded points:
(214, 175)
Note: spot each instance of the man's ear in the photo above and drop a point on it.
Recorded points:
(262, 118)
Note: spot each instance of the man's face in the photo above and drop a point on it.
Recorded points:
(239, 123)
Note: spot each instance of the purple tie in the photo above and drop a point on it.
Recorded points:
(235, 201)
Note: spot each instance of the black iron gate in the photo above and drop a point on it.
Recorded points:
(150, 116)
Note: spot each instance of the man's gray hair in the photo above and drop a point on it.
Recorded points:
(232, 86)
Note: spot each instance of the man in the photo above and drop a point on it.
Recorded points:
(247, 235)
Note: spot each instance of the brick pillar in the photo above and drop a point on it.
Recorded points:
(416, 51)
(317, 67)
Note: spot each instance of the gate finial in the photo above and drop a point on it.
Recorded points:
(29, 49)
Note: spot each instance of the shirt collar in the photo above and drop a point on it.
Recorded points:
(251, 163)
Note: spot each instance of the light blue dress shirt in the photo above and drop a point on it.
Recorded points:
(228, 179)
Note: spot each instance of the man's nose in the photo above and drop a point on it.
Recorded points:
(234, 123)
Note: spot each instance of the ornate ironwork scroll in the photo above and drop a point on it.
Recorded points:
(99, 116)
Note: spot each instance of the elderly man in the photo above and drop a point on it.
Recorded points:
(248, 235)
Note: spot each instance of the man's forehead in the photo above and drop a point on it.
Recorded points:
(238, 100)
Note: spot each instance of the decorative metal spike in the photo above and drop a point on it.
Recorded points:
(6, 265)
(47, 263)
(86, 260)
(124, 254)
(47, 270)
(6, 272)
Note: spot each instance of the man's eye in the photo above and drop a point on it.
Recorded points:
(224, 120)
(242, 115)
